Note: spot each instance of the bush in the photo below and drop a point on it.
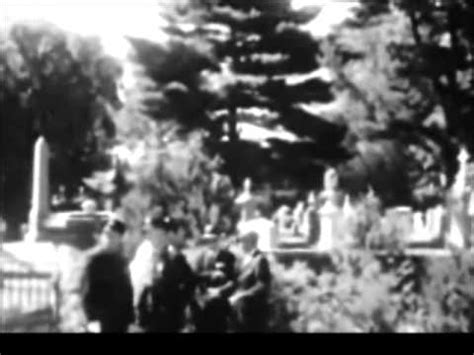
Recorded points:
(362, 294)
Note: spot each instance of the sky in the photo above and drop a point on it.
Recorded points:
(111, 20)
(114, 19)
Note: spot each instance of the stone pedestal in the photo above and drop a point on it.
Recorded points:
(75, 228)
(331, 218)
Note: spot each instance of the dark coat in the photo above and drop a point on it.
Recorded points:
(254, 281)
(107, 291)
(216, 270)
(162, 306)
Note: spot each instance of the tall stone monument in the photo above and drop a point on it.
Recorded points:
(74, 227)
(40, 190)
(331, 214)
(247, 202)
(457, 235)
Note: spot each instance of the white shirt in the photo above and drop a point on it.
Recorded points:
(141, 268)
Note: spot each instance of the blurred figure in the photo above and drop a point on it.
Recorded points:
(216, 280)
(250, 301)
(106, 289)
(162, 304)
(219, 197)
(148, 252)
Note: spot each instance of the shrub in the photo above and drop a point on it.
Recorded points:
(362, 294)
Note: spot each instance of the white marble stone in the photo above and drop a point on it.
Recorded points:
(246, 202)
(40, 190)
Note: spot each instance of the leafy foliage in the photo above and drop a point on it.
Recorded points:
(403, 73)
(264, 74)
(60, 86)
(365, 294)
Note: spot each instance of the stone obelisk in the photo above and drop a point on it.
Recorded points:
(40, 190)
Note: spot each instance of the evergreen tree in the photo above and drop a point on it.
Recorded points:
(267, 78)
(275, 63)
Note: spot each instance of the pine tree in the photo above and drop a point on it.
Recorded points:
(271, 65)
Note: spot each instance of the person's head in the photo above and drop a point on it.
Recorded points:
(211, 238)
(112, 234)
(248, 241)
(157, 228)
(163, 229)
(177, 235)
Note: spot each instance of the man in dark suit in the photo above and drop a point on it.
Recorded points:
(162, 305)
(106, 288)
(215, 269)
(253, 286)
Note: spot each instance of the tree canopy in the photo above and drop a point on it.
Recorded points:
(60, 86)
(393, 85)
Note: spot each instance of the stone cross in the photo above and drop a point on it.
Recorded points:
(40, 189)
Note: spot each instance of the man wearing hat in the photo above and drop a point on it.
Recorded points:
(250, 301)
(216, 275)
(106, 288)
(162, 304)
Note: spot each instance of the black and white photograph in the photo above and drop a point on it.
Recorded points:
(236, 166)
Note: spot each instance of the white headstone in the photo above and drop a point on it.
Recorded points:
(459, 185)
(247, 202)
(434, 220)
(265, 229)
(420, 230)
(458, 222)
(330, 219)
(331, 215)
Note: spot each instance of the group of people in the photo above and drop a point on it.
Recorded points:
(225, 290)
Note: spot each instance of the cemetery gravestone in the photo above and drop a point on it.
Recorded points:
(247, 202)
(458, 233)
(331, 215)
